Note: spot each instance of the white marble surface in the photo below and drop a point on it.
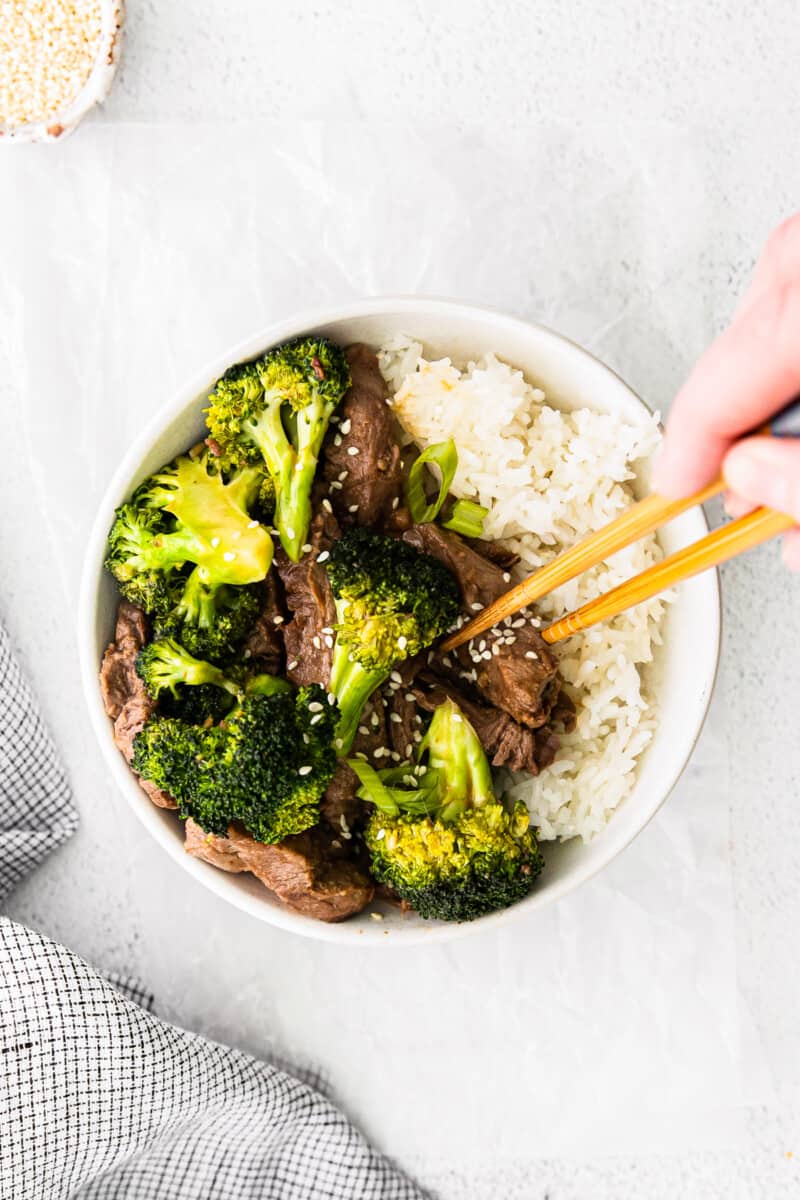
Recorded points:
(671, 132)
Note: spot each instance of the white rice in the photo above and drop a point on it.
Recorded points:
(549, 477)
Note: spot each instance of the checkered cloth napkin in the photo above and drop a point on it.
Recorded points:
(101, 1100)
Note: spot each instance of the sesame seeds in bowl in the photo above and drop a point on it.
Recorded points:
(57, 60)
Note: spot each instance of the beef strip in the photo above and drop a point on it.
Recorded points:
(520, 674)
(264, 642)
(496, 553)
(124, 695)
(304, 872)
(340, 799)
(361, 461)
(310, 601)
(507, 743)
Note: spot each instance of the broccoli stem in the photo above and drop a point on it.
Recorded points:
(352, 686)
(454, 751)
(197, 604)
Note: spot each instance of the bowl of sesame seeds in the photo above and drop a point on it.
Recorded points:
(57, 60)
(684, 640)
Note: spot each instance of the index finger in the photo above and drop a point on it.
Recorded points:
(746, 376)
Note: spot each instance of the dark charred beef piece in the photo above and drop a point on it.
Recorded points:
(264, 642)
(506, 742)
(511, 667)
(124, 696)
(496, 553)
(305, 872)
(361, 457)
(340, 799)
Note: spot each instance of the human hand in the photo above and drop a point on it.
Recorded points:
(749, 373)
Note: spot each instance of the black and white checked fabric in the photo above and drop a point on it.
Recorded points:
(99, 1100)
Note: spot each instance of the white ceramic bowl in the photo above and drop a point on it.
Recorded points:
(572, 378)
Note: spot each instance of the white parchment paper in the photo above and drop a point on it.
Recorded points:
(609, 1023)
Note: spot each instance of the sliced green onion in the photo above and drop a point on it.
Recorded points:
(372, 788)
(466, 518)
(442, 455)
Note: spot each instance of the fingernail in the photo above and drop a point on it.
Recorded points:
(737, 506)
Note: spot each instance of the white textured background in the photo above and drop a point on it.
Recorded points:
(637, 157)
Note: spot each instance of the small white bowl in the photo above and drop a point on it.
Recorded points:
(571, 378)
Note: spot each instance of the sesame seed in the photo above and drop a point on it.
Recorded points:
(326, 629)
(496, 648)
(343, 475)
(395, 502)
(326, 504)
(417, 736)
(395, 756)
(380, 835)
(362, 729)
(412, 699)
(375, 721)
(353, 451)
(306, 738)
(307, 548)
(315, 706)
(352, 508)
(277, 620)
(486, 654)
(531, 654)
(315, 642)
(316, 720)
(376, 916)
(506, 577)
(324, 556)
(346, 426)
(507, 622)
(457, 718)
(482, 644)
(518, 623)
(304, 771)
(329, 641)
(396, 677)
(447, 661)
(252, 524)
(215, 542)
(409, 749)
(331, 699)
(337, 441)
(289, 532)
(396, 718)
(476, 606)
(228, 556)
(247, 654)
(402, 642)
(335, 486)
(291, 666)
(339, 743)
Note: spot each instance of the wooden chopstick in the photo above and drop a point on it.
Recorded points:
(636, 522)
(717, 547)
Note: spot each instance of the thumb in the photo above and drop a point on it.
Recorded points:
(766, 470)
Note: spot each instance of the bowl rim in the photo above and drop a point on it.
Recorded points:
(210, 877)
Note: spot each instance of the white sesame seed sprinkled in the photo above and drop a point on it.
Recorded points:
(214, 542)
(411, 698)
(506, 577)
(252, 524)
(486, 654)
(362, 729)
(402, 642)
(316, 720)
(395, 757)
(395, 503)
(352, 508)
(326, 504)
(482, 644)
(324, 556)
(396, 677)
(289, 532)
(520, 621)
(409, 749)
(315, 706)
(247, 654)
(507, 622)
(457, 718)
(353, 451)
(346, 425)
(335, 486)
(337, 441)
(329, 641)
(476, 606)
(380, 835)
(417, 736)
(228, 556)
(291, 666)
(531, 654)
(343, 475)
(307, 548)
(315, 642)
(277, 620)
(395, 717)
(496, 648)
(304, 771)
(331, 699)
(339, 743)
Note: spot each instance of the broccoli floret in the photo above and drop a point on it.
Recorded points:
(194, 690)
(129, 541)
(450, 849)
(391, 602)
(276, 411)
(266, 766)
(212, 622)
(204, 704)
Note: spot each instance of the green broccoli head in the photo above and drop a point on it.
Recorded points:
(275, 411)
(392, 601)
(442, 840)
(212, 622)
(130, 554)
(165, 666)
(266, 766)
